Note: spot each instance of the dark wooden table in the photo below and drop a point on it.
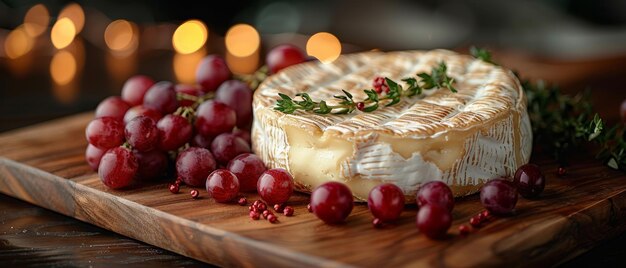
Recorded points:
(30, 235)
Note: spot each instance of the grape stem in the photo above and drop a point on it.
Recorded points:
(254, 80)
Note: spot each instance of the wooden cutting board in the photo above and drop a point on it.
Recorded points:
(44, 165)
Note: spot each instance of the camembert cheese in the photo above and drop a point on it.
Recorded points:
(464, 139)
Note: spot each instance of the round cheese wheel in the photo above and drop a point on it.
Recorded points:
(464, 139)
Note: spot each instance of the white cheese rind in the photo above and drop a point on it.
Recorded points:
(464, 139)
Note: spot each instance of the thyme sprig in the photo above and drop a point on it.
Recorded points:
(437, 78)
(561, 123)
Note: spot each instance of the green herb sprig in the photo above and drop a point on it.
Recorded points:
(437, 78)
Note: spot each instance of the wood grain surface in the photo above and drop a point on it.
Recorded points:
(44, 165)
(34, 236)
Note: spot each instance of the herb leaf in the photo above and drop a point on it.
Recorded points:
(481, 54)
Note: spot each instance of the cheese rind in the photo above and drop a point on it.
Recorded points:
(464, 138)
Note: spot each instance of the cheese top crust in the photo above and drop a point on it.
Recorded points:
(463, 138)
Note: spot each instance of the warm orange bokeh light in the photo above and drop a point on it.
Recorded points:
(18, 43)
(121, 36)
(189, 37)
(63, 67)
(36, 20)
(243, 65)
(242, 40)
(76, 14)
(323, 46)
(120, 67)
(185, 66)
(62, 33)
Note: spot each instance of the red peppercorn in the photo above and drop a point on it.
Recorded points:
(179, 181)
(254, 215)
(174, 188)
(194, 193)
(360, 105)
(261, 206)
(561, 171)
(486, 213)
(464, 230)
(242, 201)
(266, 214)
(272, 218)
(480, 217)
(475, 222)
(378, 83)
(256, 203)
(385, 88)
(308, 207)
(288, 211)
(377, 223)
(278, 208)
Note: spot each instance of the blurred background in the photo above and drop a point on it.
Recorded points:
(61, 57)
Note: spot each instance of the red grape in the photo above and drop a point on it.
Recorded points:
(191, 90)
(433, 220)
(161, 97)
(275, 186)
(214, 118)
(142, 110)
(386, 202)
(238, 96)
(174, 132)
(284, 56)
(332, 202)
(135, 88)
(242, 133)
(211, 72)
(201, 141)
(112, 107)
(117, 168)
(435, 192)
(142, 133)
(105, 133)
(529, 180)
(93, 155)
(222, 185)
(227, 146)
(193, 165)
(152, 164)
(499, 196)
(248, 168)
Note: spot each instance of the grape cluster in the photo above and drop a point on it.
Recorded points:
(201, 131)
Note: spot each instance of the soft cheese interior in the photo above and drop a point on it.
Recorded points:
(465, 138)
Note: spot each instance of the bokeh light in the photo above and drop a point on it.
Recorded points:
(121, 36)
(17, 43)
(76, 14)
(243, 65)
(324, 46)
(36, 20)
(242, 40)
(185, 66)
(63, 67)
(278, 17)
(62, 33)
(189, 37)
(120, 67)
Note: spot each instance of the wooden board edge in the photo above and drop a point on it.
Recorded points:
(129, 218)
